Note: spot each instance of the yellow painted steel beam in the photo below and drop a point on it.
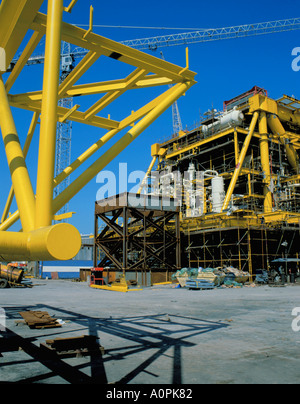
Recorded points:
(278, 130)
(200, 143)
(70, 6)
(46, 158)
(113, 95)
(30, 134)
(91, 22)
(141, 112)
(115, 288)
(281, 216)
(147, 174)
(63, 216)
(16, 17)
(123, 53)
(265, 160)
(69, 114)
(236, 147)
(68, 90)
(77, 116)
(76, 73)
(10, 221)
(240, 161)
(16, 161)
(30, 47)
(84, 157)
(293, 178)
(151, 80)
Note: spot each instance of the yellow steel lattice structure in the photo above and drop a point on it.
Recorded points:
(40, 240)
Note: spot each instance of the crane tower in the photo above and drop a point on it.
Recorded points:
(64, 129)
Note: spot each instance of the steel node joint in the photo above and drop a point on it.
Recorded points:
(58, 242)
(260, 102)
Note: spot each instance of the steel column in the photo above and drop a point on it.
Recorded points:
(240, 161)
(46, 161)
(125, 239)
(16, 161)
(265, 160)
(278, 130)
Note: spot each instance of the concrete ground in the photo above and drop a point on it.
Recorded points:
(159, 335)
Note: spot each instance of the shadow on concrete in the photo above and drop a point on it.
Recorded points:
(153, 336)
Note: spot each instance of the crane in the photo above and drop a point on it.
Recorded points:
(214, 34)
(69, 57)
(64, 129)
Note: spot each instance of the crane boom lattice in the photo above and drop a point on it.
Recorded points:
(214, 34)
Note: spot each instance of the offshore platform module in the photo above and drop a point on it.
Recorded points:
(237, 179)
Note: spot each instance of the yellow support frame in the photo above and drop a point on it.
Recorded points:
(39, 239)
(240, 161)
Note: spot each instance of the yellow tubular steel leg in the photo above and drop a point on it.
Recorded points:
(46, 161)
(265, 161)
(278, 130)
(143, 183)
(59, 242)
(10, 221)
(240, 161)
(16, 161)
(84, 156)
(25, 151)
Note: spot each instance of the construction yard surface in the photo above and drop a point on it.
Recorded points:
(158, 335)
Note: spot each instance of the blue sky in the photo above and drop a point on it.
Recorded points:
(224, 69)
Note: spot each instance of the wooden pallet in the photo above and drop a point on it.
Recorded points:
(70, 347)
(39, 319)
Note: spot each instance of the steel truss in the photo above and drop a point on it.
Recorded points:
(137, 240)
